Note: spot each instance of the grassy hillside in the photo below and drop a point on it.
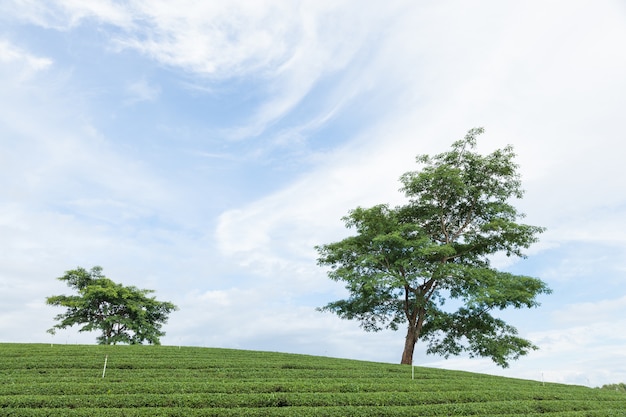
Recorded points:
(66, 380)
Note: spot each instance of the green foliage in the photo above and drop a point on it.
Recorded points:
(403, 263)
(66, 380)
(122, 314)
(621, 387)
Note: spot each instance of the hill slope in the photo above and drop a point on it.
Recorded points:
(67, 380)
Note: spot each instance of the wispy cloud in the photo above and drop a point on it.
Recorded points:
(24, 63)
(290, 46)
(141, 90)
(219, 40)
(66, 14)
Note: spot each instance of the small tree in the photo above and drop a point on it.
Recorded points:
(403, 263)
(615, 387)
(122, 314)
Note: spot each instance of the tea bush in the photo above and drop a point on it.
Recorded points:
(66, 380)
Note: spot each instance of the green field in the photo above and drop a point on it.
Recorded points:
(66, 380)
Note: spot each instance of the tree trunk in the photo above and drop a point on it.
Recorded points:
(409, 345)
(416, 322)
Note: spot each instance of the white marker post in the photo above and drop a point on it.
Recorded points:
(106, 357)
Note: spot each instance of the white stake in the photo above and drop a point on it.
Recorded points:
(105, 365)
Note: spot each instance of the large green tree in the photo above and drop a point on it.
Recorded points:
(122, 314)
(405, 262)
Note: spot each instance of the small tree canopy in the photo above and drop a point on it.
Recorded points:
(403, 263)
(122, 314)
(615, 387)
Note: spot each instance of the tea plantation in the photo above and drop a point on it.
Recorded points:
(67, 380)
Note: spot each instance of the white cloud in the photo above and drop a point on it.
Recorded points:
(586, 339)
(19, 61)
(289, 46)
(218, 39)
(289, 223)
(61, 159)
(141, 90)
(71, 167)
(588, 313)
(481, 92)
(66, 14)
(109, 11)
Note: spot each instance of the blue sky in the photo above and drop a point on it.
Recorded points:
(202, 149)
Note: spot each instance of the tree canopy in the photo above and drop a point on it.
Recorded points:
(122, 314)
(404, 263)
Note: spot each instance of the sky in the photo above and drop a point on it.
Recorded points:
(203, 149)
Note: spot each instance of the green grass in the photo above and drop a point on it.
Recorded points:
(66, 380)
